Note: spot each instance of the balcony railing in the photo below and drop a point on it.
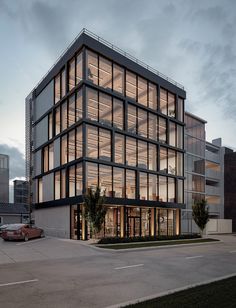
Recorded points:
(211, 190)
(212, 156)
(213, 174)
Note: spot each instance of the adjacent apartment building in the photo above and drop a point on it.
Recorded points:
(4, 178)
(102, 118)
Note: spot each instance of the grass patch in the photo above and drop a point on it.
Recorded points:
(216, 294)
(155, 244)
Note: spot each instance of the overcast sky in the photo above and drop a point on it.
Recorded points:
(193, 42)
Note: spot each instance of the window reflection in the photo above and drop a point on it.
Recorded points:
(79, 105)
(57, 121)
(180, 109)
(63, 183)
(57, 87)
(180, 162)
(51, 156)
(64, 116)
(171, 190)
(180, 191)
(172, 134)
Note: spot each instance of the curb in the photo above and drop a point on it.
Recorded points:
(169, 292)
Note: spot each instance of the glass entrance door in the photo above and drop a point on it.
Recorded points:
(134, 224)
(76, 222)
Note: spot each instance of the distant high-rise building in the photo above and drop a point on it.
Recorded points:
(21, 190)
(4, 178)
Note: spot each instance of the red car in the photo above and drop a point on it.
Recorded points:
(21, 232)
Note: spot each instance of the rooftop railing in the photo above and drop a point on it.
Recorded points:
(117, 49)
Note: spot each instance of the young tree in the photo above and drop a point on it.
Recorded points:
(200, 214)
(95, 209)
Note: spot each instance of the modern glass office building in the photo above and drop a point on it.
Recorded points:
(102, 118)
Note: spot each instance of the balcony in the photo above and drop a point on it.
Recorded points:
(213, 174)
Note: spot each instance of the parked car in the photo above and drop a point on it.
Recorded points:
(2, 228)
(21, 232)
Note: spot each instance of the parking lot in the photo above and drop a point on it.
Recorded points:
(51, 272)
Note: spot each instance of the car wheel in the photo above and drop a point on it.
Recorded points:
(26, 238)
(42, 234)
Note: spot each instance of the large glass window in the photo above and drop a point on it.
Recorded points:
(162, 188)
(104, 144)
(131, 151)
(152, 96)
(40, 190)
(71, 146)
(171, 105)
(79, 179)
(142, 154)
(79, 142)
(118, 113)
(92, 104)
(45, 159)
(79, 67)
(92, 141)
(163, 221)
(63, 183)
(51, 156)
(180, 109)
(162, 130)
(92, 66)
(64, 116)
(163, 159)
(130, 184)
(171, 190)
(105, 109)
(163, 101)
(131, 85)
(132, 117)
(71, 111)
(142, 122)
(57, 185)
(105, 180)
(57, 87)
(143, 186)
(71, 73)
(92, 175)
(119, 149)
(105, 73)
(64, 150)
(180, 136)
(180, 162)
(57, 121)
(118, 79)
(72, 181)
(63, 83)
(153, 187)
(79, 105)
(152, 128)
(171, 162)
(172, 134)
(142, 91)
(152, 154)
(118, 183)
(180, 184)
(50, 130)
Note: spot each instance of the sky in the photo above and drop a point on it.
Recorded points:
(193, 42)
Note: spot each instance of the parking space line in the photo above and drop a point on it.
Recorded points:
(194, 257)
(18, 282)
(233, 251)
(31, 242)
(128, 266)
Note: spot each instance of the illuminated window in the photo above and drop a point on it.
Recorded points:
(92, 66)
(40, 190)
(92, 104)
(153, 187)
(152, 154)
(118, 79)
(79, 142)
(105, 109)
(142, 154)
(50, 130)
(71, 70)
(171, 162)
(51, 156)
(104, 144)
(79, 179)
(152, 96)
(92, 141)
(105, 180)
(71, 111)
(171, 190)
(131, 151)
(63, 183)
(142, 91)
(57, 121)
(79, 67)
(142, 123)
(118, 183)
(57, 185)
(64, 149)
(130, 184)
(105, 73)
(118, 113)
(71, 146)
(45, 159)
(64, 116)
(63, 83)
(163, 101)
(171, 105)
(162, 188)
(79, 105)
(152, 127)
(119, 149)
(131, 85)
(132, 117)
(172, 134)
(143, 187)
(163, 159)
(91, 175)
(162, 130)
(57, 87)
(72, 181)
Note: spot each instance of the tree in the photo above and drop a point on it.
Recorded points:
(200, 214)
(95, 209)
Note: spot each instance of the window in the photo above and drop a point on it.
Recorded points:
(152, 128)
(179, 136)
(57, 87)
(79, 67)
(45, 159)
(40, 190)
(105, 180)
(180, 191)
(50, 126)
(152, 154)
(132, 117)
(105, 73)
(131, 152)
(92, 175)
(79, 105)
(152, 96)
(180, 109)
(162, 188)
(57, 121)
(153, 187)
(171, 162)
(142, 91)
(63, 83)
(72, 181)
(172, 134)
(142, 123)
(179, 168)
(143, 186)
(171, 105)
(92, 141)
(119, 149)
(71, 111)
(118, 113)
(64, 116)
(163, 101)
(79, 179)
(63, 183)
(142, 154)
(163, 159)
(171, 190)
(104, 144)
(79, 142)
(64, 150)
(130, 85)
(57, 185)
(118, 79)
(51, 156)
(105, 109)
(71, 73)
(118, 183)
(92, 104)
(130, 184)
(162, 130)
(92, 67)
(71, 146)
